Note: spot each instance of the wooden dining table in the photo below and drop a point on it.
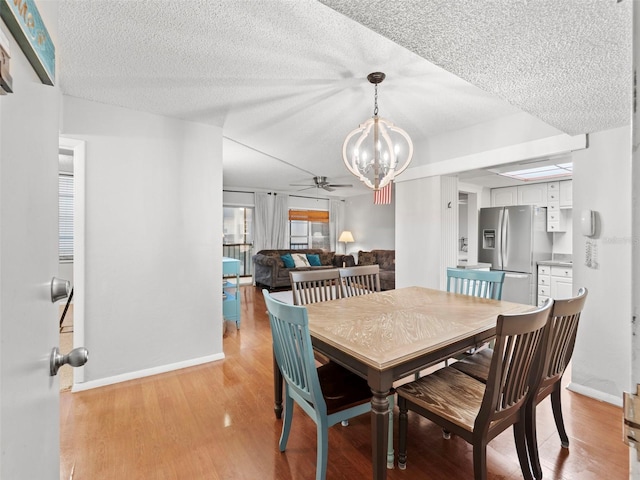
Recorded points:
(386, 336)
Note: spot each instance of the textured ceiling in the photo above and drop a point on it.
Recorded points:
(286, 79)
(567, 62)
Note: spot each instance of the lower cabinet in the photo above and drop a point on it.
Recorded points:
(555, 282)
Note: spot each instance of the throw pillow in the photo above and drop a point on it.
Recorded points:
(300, 260)
(326, 258)
(366, 258)
(314, 259)
(288, 260)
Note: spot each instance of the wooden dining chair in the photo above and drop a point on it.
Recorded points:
(328, 394)
(475, 411)
(478, 283)
(562, 330)
(315, 286)
(360, 280)
(363, 280)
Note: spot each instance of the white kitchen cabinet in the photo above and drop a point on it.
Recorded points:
(566, 193)
(555, 219)
(540, 194)
(561, 282)
(534, 194)
(554, 282)
(504, 196)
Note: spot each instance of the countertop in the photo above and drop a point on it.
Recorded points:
(555, 263)
(558, 260)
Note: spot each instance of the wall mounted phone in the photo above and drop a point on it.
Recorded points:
(588, 223)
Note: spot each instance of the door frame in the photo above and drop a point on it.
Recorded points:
(78, 148)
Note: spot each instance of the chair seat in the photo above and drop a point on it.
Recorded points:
(476, 365)
(341, 388)
(448, 393)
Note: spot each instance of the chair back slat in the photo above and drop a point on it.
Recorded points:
(360, 280)
(477, 283)
(315, 286)
(293, 350)
(519, 344)
(562, 331)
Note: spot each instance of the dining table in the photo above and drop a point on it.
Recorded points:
(387, 336)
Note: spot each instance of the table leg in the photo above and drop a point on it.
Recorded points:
(277, 389)
(379, 433)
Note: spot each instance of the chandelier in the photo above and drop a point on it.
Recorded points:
(373, 151)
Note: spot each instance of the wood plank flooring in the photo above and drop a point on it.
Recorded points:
(216, 421)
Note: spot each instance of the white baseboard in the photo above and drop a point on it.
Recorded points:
(597, 394)
(79, 387)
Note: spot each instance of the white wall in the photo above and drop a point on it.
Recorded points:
(373, 226)
(153, 250)
(418, 233)
(602, 182)
(503, 131)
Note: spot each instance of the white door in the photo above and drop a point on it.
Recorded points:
(29, 396)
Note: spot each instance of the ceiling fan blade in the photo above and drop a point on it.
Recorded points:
(328, 188)
(340, 185)
(301, 185)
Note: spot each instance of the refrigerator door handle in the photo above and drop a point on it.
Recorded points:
(504, 239)
(499, 240)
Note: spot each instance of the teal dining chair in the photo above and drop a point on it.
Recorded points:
(479, 283)
(329, 393)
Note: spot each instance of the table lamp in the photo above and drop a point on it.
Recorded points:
(346, 237)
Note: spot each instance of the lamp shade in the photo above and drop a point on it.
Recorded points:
(346, 236)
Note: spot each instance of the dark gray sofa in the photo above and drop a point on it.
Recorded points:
(269, 270)
(386, 259)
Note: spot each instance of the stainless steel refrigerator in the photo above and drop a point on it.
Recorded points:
(514, 239)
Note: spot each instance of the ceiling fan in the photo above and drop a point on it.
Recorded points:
(321, 182)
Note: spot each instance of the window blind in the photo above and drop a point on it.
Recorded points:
(65, 217)
(321, 216)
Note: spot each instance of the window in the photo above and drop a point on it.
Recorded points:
(65, 217)
(309, 229)
(237, 224)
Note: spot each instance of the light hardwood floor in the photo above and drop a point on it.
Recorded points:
(216, 421)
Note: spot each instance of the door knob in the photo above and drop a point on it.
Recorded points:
(59, 289)
(76, 358)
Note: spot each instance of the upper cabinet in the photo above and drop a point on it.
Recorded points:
(553, 195)
(504, 197)
(566, 193)
(534, 194)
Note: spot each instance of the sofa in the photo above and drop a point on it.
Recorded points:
(386, 259)
(269, 268)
